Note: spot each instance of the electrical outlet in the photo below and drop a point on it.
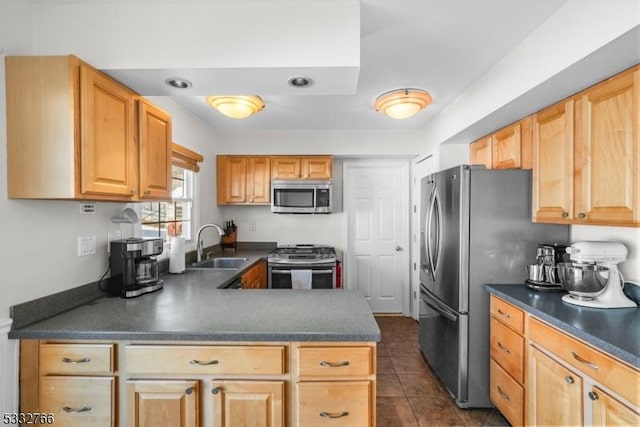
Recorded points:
(87, 208)
(112, 235)
(86, 245)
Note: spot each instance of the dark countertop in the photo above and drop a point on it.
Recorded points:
(614, 331)
(190, 307)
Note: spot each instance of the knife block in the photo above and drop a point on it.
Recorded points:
(228, 241)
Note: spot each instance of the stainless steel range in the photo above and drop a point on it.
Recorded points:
(302, 267)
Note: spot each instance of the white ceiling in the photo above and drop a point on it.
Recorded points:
(442, 46)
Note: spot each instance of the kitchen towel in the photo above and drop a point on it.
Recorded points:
(301, 279)
(176, 255)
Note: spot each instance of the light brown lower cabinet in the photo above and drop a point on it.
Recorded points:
(337, 403)
(554, 393)
(248, 403)
(78, 401)
(608, 411)
(162, 403)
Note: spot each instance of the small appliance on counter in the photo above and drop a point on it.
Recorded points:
(592, 277)
(543, 275)
(134, 270)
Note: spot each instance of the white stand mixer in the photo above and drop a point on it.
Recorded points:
(608, 255)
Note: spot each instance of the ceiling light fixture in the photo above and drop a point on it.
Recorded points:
(300, 81)
(236, 107)
(402, 103)
(178, 83)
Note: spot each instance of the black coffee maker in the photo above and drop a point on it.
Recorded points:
(544, 274)
(134, 270)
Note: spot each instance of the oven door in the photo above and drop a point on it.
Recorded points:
(322, 277)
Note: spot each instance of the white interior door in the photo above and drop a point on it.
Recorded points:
(421, 167)
(377, 207)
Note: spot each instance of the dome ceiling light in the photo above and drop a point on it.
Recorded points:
(236, 107)
(402, 103)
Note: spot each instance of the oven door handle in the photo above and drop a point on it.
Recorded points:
(312, 271)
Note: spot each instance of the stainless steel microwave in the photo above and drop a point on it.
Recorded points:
(301, 197)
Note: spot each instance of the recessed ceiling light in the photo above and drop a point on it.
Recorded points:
(300, 81)
(178, 83)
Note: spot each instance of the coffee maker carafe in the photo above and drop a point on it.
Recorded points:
(134, 270)
(543, 275)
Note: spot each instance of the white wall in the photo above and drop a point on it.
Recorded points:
(580, 29)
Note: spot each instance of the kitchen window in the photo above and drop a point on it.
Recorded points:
(174, 218)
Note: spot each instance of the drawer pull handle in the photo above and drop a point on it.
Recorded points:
(334, 364)
(503, 348)
(503, 394)
(504, 313)
(201, 363)
(325, 414)
(569, 379)
(74, 362)
(586, 362)
(70, 410)
(593, 395)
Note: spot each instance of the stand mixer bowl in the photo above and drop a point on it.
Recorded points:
(583, 281)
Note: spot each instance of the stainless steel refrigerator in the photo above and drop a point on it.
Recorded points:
(475, 228)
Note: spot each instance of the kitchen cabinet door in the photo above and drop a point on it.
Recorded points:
(154, 148)
(480, 152)
(316, 167)
(259, 180)
(232, 179)
(248, 403)
(162, 403)
(256, 278)
(506, 148)
(107, 132)
(607, 155)
(285, 167)
(608, 411)
(553, 143)
(554, 393)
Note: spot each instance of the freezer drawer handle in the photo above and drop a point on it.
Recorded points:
(441, 311)
(312, 271)
(503, 348)
(586, 362)
(201, 363)
(334, 364)
(70, 410)
(74, 362)
(325, 414)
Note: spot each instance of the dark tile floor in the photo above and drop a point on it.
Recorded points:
(408, 392)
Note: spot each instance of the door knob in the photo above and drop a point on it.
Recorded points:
(399, 249)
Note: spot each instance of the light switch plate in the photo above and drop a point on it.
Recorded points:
(86, 245)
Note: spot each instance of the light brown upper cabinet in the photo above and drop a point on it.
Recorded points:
(154, 130)
(243, 180)
(306, 167)
(586, 157)
(508, 148)
(71, 134)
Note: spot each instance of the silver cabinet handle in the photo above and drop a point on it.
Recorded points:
(201, 363)
(569, 379)
(583, 361)
(503, 394)
(215, 390)
(503, 348)
(334, 364)
(504, 313)
(70, 410)
(565, 214)
(593, 395)
(582, 215)
(76, 361)
(325, 414)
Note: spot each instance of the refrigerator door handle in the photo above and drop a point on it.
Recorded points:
(427, 242)
(435, 214)
(438, 306)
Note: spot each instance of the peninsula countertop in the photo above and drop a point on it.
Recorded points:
(614, 331)
(190, 307)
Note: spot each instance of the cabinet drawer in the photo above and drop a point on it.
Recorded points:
(336, 403)
(237, 360)
(595, 364)
(78, 401)
(335, 361)
(507, 395)
(508, 314)
(507, 349)
(76, 359)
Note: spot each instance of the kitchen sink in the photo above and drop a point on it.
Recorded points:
(219, 263)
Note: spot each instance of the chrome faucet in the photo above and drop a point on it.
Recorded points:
(199, 248)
